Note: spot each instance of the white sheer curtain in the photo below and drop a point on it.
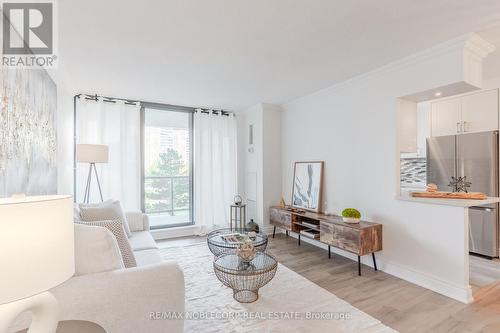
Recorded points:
(215, 169)
(116, 125)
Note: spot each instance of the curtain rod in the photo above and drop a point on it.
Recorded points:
(208, 111)
(108, 99)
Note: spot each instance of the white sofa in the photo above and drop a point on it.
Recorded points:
(123, 300)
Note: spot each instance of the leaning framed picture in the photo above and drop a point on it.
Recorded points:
(307, 185)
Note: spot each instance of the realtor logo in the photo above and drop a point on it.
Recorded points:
(28, 33)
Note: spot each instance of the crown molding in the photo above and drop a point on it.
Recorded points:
(478, 46)
(470, 44)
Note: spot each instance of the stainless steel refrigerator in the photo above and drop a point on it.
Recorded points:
(474, 156)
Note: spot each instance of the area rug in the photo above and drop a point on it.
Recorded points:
(289, 303)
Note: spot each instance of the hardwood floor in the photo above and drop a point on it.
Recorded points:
(483, 271)
(395, 302)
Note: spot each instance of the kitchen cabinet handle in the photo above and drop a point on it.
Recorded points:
(464, 127)
(458, 127)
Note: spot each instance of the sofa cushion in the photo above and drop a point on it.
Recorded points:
(96, 250)
(137, 221)
(108, 210)
(142, 240)
(76, 213)
(116, 227)
(148, 257)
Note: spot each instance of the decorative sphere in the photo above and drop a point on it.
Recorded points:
(246, 251)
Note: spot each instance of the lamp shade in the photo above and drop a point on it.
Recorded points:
(86, 153)
(36, 245)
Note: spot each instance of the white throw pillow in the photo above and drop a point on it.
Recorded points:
(108, 210)
(96, 204)
(76, 213)
(137, 221)
(96, 250)
(116, 227)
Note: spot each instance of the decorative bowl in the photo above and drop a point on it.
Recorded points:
(351, 219)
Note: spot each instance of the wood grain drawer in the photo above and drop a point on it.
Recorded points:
(353, 239)
(344, 238)
(280, 218)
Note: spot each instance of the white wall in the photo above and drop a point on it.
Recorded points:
(259, 170)
(250, 161)
(352, 127)
(491, 83)
(271, 159)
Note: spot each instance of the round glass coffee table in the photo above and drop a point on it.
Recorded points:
(220, 241)
(245, 278)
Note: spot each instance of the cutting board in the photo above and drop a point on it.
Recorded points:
(450, 195)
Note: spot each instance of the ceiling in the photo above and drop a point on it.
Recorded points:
(232, 54)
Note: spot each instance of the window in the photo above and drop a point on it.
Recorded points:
(167, 158)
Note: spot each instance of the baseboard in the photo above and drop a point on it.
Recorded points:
(459, 293)
(176, 232)
(268, 230)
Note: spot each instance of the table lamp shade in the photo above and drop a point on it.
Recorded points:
(86, 153)
(36, 245)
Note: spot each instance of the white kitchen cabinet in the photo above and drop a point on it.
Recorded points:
(407, 126)
(480, 112)
(445, 117)
(476, 112)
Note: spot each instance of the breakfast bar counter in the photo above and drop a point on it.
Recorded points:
(446, 225)
(451, 202)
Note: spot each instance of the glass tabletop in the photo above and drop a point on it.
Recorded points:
(231, 263)
(222, 237)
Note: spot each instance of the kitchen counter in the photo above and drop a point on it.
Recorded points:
(449, 220)
(450, 202)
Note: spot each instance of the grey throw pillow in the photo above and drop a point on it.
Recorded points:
(108, 210)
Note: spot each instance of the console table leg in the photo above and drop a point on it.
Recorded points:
(329, 253)
(359, 265)
(374, 261)
(274, 231)
(299, 239)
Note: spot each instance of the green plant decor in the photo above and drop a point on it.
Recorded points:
(351, 213)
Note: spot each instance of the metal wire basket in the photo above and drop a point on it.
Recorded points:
(245, 278)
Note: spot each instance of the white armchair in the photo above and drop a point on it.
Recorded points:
(123, 300)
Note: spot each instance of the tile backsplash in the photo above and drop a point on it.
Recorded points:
(413, 172)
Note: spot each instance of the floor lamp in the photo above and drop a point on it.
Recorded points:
(38, 254)
(92, 154)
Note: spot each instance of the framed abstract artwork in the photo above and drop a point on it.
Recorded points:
(28, 132)
(308, 185)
